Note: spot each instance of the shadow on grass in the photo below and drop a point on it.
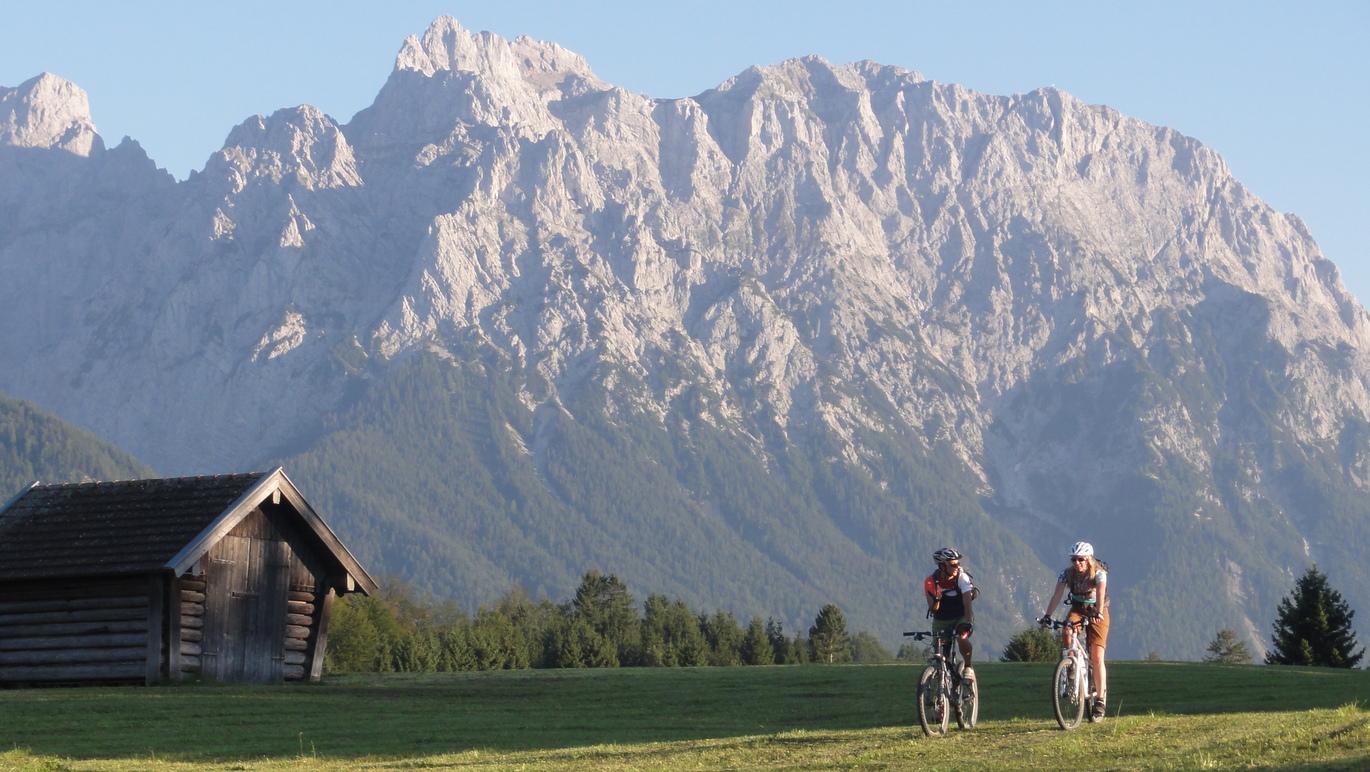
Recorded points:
(405, 716)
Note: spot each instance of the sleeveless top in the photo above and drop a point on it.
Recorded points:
(1083, 592)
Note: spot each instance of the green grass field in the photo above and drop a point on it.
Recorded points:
(1161, 715)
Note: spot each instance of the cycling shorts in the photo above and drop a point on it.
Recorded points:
(1097, 632)
(949, 625)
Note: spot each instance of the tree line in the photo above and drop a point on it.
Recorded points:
(601, 626)
(1312, 627)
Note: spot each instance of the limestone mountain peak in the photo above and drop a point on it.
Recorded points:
(48, 111)
(302, 141)
(447, 45)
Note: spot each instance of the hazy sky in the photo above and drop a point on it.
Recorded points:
(1278, 88)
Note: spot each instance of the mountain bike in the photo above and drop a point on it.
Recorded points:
(941, 689)
(1072, 684)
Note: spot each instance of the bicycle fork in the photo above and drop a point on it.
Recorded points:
(1080, 685)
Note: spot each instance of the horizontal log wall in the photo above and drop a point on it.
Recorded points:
(192, 605)
(302, 627)
(90, 631)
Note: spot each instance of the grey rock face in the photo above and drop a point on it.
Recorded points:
(1067, 297)
(48, 112)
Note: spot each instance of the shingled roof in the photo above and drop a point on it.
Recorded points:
(140, 526)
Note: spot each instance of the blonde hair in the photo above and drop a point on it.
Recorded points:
(1091, 569)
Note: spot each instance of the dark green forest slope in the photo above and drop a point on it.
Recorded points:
(441, 474)
(37, 446)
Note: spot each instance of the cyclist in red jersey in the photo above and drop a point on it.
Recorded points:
(950, 593)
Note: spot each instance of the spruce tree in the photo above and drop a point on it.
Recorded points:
(1032, 645)
(1227, 649)
(723, 636)
(1313, 626)
(867, 649)
(604, 603)
(911, 652)
(756, 645)
(780, 645)
(828, 637)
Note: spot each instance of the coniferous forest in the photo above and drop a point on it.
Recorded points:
(599, 626)
(35, 445)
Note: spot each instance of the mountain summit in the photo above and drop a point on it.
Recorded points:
(765, 348)
(48, 112)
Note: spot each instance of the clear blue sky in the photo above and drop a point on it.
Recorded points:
(1280, 89)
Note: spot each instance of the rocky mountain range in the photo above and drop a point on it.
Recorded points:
(763, 348)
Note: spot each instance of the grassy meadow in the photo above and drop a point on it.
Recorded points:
(1162, 715)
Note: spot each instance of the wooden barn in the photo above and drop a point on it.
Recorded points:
(228, 578)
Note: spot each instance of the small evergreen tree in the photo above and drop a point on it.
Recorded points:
(828, 639)
(756, 645)
(1313, 626)
(495, 644)
(1032, 644)
(911, 652)
(574, 643)
(604, 603)
(1227, 649)
(867, 649)
(454, 649)
(780, 645)
(670, 634)
(723, 636)
(414, 653)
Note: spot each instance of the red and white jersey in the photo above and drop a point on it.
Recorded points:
(951, 590)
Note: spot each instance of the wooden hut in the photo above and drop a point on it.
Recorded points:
(228, 578)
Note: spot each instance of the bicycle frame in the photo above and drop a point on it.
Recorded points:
(1084, 669)
(1081, 668)
(950, 689)
(943, 653)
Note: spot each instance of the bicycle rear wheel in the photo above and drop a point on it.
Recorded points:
(933, 708)
(1067, 695)
(969, 711)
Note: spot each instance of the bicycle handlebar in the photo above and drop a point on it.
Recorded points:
(1058, 624)
(919, 635)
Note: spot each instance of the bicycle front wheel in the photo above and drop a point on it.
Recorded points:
(969, 711)
(1067, 695)
(932, 703)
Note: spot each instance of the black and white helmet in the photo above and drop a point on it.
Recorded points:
(1082, 549)
(945, 554)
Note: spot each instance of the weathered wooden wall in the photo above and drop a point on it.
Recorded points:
(251, 610)
(96, 630)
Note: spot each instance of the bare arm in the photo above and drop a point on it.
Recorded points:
(970, 612)
(1055, 598)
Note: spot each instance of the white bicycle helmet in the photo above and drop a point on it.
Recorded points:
(945, 554)
(1082, 549)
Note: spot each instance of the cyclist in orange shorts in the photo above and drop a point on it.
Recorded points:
(1087, 582)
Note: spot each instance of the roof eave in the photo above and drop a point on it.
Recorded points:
(364, 583)
(182, 561)
(15, 498)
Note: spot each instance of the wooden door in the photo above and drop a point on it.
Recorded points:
(246, 583)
